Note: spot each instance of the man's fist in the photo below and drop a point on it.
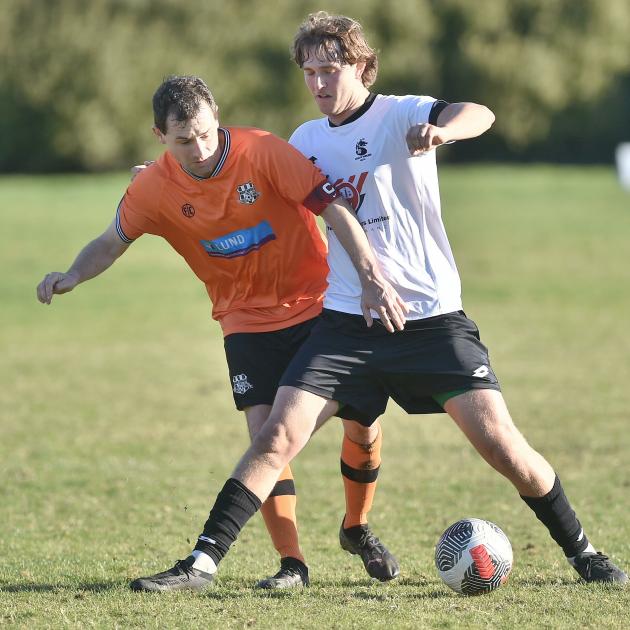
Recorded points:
(425, 137)
(55, 282)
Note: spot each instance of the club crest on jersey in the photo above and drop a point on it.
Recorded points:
(247, 193)
(361, 150)
(240, 384)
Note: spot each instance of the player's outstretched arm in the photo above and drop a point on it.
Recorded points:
(457, 121)
(92, 260)
(378, 294)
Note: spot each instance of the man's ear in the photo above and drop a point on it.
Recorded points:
(159, 135)
(359, 69)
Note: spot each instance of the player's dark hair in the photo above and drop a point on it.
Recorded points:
(181, 98)
(335, 38)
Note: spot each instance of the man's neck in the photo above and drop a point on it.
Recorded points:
(218, 153)
(216, 157)
(357, 102)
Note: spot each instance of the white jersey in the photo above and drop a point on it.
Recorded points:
(397, 201)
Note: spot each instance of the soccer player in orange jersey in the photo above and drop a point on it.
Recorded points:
(239, 205)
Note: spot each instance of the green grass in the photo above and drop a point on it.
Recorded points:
(117, 425)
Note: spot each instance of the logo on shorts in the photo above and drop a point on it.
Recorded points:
(188, 211)
(247, 193)
(482, 371)
(240, 384)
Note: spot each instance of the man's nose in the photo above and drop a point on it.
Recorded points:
(199, 149)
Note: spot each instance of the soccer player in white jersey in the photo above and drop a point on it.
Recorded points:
(379, 152)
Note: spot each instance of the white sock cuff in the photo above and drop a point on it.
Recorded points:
(589, 549)
(203, 562)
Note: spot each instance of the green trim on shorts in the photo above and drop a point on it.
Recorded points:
(442, 397)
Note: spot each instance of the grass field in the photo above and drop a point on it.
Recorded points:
(117, 425)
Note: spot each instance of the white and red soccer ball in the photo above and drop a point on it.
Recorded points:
(473, 556)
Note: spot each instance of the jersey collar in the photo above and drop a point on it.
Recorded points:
(366, 105)
(224, 154)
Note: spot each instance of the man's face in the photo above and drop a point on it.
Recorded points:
(193, 143)
(335, 86)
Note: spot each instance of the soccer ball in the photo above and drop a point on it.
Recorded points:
(473, 556)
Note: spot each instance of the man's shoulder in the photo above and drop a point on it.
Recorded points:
(404, 97)
(149, 181)
(308, 128)
(255, 144)
(244, 136)
(404, 100)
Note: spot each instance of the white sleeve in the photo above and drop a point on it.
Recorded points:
(295, 140)
(417, 109)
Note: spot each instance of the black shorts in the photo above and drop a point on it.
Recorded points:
(361, 367)
(256, 361)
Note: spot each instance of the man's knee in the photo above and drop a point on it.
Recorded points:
(278, 440)
(363, 436)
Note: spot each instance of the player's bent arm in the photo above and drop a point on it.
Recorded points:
(465, 120)
(457, 121)
(377, 293)
(97, 256)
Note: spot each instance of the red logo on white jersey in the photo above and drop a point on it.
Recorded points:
(351, 191)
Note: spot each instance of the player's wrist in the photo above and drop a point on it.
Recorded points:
(73, 276)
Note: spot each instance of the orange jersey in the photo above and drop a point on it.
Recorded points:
(248, 231)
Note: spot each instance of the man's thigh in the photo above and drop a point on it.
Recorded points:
(256, 416)
(339, 367)
(434, 356)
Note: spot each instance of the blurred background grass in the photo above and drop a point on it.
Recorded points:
(116, 419)
(118, 426)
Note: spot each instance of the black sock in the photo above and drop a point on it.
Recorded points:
(234, 506)
(555, 513)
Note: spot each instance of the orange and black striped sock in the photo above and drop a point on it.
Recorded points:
(360, 464)
(278, 511)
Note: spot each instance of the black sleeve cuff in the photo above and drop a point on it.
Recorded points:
(436, 110)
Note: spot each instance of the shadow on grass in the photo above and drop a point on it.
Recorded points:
(376, 596)
(359, 589)
(85, 587)
(546, 582)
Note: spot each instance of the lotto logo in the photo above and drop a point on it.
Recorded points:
(482, 371)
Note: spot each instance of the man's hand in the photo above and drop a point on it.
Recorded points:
(457, 121)
(55, 282)
(380, 296)
(425, 137)
(377, 294)
(92, 260)
(138, 168)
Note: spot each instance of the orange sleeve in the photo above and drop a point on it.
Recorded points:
(138, 209)
(292, 175)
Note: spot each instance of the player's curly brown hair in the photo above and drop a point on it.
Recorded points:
(335, 38)
(182, 98)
